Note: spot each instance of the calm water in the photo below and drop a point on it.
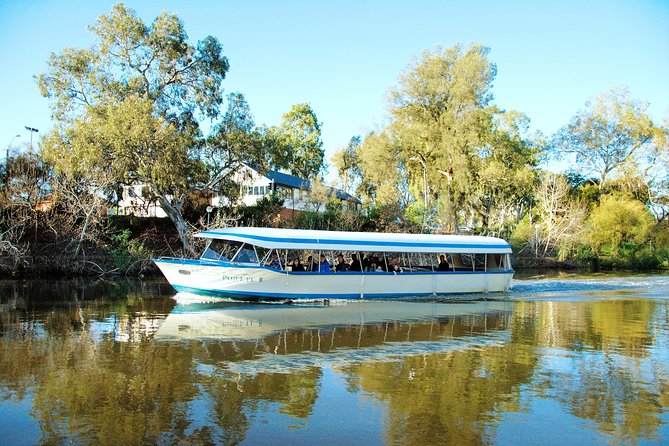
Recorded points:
(566, 360)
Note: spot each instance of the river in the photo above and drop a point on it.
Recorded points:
(562, 360)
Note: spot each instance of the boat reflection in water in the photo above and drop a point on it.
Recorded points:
(278, 338)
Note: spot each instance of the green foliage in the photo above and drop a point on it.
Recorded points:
(235, 140)
(522, 236)
(579, 252)
(347, 163)
(127, 108)
(508, 174)
(647, 258)
(660, 235)
(440, 118)
(262, 213)
(584, 189)
(297, 143)
(617, 220)
(333, 218)
(416, 214)
(448, 147)
(124, 252)
(613, 130)
(379, 161)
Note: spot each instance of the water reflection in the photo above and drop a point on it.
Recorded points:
(248, 339)
(123, 362)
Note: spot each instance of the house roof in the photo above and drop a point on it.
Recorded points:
(294, 182)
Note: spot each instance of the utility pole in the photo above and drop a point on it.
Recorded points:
(31, 130)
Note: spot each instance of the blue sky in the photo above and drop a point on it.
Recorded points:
(343, 56)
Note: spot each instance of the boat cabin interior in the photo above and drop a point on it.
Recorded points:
(245, 254)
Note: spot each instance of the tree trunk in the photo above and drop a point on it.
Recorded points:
(87, 221)
(174, 213)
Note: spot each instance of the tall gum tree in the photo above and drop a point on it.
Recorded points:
(130, 106)
(446, 135)
(347, 163)
(611, 132)
(300, 144)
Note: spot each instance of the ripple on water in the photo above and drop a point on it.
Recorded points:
(579, 288)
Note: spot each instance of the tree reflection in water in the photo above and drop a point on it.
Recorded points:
(90, 358)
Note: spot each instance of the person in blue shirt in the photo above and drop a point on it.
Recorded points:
(324, 266)
(275, 262)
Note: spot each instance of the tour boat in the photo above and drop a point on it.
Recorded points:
(251, 263)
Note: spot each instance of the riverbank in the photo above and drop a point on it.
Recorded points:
(128, 263)
(129, 244)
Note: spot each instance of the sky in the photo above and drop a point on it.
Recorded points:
(342, 57)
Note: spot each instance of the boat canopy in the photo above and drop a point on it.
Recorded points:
(299, 239)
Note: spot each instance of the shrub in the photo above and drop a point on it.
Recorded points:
(522, 236)
(126, 253)
(618, 220)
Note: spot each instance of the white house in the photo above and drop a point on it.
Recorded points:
(252, 187)
(295, 191)
(134, 202)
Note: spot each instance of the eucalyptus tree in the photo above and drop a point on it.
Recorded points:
(508, 174)
(347, 163)
(441, 115)
(383, 171)
(129, 108)
(455, 150)
(296, 144)
(613, 131)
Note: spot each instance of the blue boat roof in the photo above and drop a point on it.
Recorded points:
(300, 239)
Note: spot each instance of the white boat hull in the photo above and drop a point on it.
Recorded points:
(255, 282)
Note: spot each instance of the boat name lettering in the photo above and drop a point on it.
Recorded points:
(243, 323)
(242, 278)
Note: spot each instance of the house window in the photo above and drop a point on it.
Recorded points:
(255, 190)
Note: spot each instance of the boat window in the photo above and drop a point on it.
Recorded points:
(246, 254)
(494, 261)
(420, 261)
(221, 250)
(263, 254)
(473, 261)
(276, 259)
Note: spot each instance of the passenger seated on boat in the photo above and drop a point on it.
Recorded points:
(311, 265)
(297, 266)
(355, 263)
(396, 268)
(367, 261)
(391, 264)
(383, 264)
(341, 264)
(275, 262)
(443, 264)
(324, 266)
(379, 269)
